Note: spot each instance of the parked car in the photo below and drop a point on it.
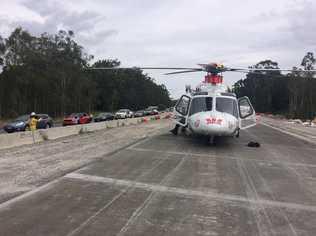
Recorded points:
(123, 114)
(151, 112)
(140, 113)
(44, 121)
(21, 123)
(104, 117)
(170, 109)
(77, 118)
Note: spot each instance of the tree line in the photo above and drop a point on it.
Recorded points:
(51, 73)
(292, 94)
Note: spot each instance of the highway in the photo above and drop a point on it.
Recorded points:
(176, 185)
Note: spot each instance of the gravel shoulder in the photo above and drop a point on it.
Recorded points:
(26, 167)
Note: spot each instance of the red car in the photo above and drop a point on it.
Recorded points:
(77, 118)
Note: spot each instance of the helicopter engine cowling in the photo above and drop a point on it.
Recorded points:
(213, 123)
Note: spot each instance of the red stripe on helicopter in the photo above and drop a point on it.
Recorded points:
(213, 79)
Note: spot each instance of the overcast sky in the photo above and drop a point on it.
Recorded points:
(175, 32)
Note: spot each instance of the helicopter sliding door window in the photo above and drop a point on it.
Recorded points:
(245, 108)
(227, 105)
(183, 105)
(246, 113)
(200, 104)
(182, 108)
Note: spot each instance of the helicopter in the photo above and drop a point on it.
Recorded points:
(210, 110)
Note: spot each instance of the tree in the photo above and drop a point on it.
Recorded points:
(51, 74)
(264, 88)
(2, 50)
(292, 94)
(302, 87)
(128, 88)
(44, 74)
(308, 61)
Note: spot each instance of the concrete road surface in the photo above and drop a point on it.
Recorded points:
(168, 185)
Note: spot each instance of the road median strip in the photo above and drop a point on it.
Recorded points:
(27, 137)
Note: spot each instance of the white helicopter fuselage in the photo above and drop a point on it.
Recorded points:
(214, 112)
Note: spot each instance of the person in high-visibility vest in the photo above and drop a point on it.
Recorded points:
(33, 121)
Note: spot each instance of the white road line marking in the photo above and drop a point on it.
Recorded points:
(252, 193)
(135, 214)
(287, 163)
(143, 206)
(192, 193)
(29, 193)
(292, 134)
(267, 187)
(87, 221)
(127, 187)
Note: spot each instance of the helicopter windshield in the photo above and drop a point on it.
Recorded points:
(200, 104)
(227, 105)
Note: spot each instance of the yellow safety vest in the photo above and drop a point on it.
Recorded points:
(32, 124)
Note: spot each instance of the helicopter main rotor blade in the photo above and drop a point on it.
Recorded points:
(209, 68)
(285, 70)
(235, 69)
(184, 71)
(144, 68)
(258, 70)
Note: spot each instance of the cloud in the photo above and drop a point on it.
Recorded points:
(178, 32)
(302, 23)
(97, 38)
(54, 16)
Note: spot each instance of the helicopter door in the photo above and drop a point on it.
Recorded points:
(182, 110)
(246, 113)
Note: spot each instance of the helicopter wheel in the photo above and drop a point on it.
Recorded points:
(174, 131)
(211, 140)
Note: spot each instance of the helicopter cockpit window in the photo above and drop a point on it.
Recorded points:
(183, 105)
(200, 104)
(227, 105)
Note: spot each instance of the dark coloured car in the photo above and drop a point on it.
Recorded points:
(104, 117)
(140, 113)
(21, 123)
(77, 118)
(44, 121)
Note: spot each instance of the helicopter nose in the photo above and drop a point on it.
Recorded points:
(213, 123)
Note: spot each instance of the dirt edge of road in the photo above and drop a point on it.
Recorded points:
(28, 167)
(45, 185)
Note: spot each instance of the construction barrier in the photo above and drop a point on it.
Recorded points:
(29, 137)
